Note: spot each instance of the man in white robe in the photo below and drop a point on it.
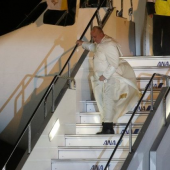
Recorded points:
(114, 81)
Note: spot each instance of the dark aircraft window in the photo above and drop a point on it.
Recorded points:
(62, 18)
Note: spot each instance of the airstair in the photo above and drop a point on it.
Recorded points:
(85, 149)
(80, 147)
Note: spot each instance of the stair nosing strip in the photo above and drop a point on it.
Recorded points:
(147, 57)
(94, 135)
(97, 113)
(92, 147)
(99, 124)
(150, 67)
(93, 101)
(89, 160)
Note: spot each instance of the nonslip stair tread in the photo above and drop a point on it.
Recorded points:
(93, 101)
(97, 113)
(155, 89)
(148, 78)
(91, 147)
(88, 101)
(139, 68)
(95, 136)
(88, 160)
(148, 57)
(150, 67)
(139, 112)
(88, 113)
(99, 124)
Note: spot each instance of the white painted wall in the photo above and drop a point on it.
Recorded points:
(141, 158)
(163, 153)
(160, 157)
(44, 150)
(34, 50)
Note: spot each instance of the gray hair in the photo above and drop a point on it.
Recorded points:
(98, 28)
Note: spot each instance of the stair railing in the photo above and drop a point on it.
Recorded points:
(129, 124)
(55, 79)
(131, 10)
(120, 13)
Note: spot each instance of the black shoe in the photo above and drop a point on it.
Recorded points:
(110, 129)
(103, 128)
(107, 129)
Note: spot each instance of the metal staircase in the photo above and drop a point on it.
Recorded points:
(86, 150)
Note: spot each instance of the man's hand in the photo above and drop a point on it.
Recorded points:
(151, 15)
(102, 78)
(79, 42)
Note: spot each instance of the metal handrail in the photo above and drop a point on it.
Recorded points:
(130, 120)
(63, 77)
(131, 10)
(51, 88)
(120, 13)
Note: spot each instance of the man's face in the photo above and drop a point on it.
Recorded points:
(96, 36)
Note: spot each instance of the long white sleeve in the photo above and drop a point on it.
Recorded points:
(89, 46)
(112, 57)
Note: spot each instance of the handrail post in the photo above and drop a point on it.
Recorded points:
(111, 5)
(45, 107)
(99, 19)
(164, 101)
(164, 110)
(167, 81)
(29, 138)
(151, 94)
(91, 26)
(131, 10)
(52, 98)
(69, 81)
(130, 137)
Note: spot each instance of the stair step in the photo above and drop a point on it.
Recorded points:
(100, 125)
(94, 128)
(149, 71)
(94, 117)
(157, 84)
(148, 78)
(97, 140)
(154, 90)
(148, 61)
(85, 164)
(93, 101)
(91, 106)
(91, 152)
(128, 113)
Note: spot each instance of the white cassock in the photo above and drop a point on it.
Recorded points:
(118, 93)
